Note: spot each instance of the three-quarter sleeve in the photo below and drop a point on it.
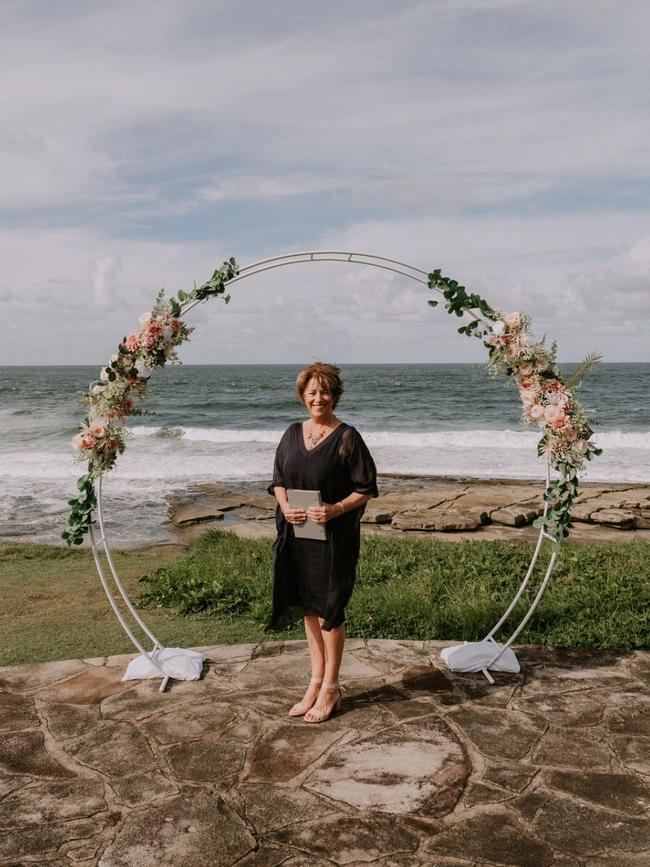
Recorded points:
(361, 465)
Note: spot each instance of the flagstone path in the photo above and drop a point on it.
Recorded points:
(547, 768)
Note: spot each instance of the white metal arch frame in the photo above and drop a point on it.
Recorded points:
(99, 542)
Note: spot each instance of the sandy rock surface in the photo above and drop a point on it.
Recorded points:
(452, 509)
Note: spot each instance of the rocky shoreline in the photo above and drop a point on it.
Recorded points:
(434, 507)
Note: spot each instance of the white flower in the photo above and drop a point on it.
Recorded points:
(499, 327)
(141, 367)
(145, 319)
(167, 332)
(97, 389)
(104, 375)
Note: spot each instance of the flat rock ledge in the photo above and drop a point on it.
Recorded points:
(438, 508)
(423, 766)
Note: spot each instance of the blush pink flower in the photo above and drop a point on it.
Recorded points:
(553, 414)
(527, 383)
(147, 341)
(518, 347)
(537, 411)
(173, 323)
(513, 321)
(132, 342)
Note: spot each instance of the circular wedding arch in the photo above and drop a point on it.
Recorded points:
(99, 541)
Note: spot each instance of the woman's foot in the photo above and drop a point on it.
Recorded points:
(309, 698)
(329, 700)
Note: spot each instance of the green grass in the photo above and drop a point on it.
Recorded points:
(417, 589)
(52, 605)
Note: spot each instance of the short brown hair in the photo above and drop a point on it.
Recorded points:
(328, 375)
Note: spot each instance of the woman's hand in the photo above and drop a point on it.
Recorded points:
(323, 514)
(294, 516)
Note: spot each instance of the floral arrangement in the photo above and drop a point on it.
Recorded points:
(112, 397)
(547, 399)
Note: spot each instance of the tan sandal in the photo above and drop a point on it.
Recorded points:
(318, 716)
(299, 709)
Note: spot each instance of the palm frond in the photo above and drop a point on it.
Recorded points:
(583, 370)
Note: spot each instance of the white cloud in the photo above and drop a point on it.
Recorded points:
(105, 276)
(262, 187)
(504, 141)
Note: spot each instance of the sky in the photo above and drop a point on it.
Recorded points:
(504, 141)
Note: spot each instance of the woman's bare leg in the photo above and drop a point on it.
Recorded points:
(317, 651)
(333, 642)
(317, 655)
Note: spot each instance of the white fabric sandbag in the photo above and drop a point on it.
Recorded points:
(178, 663)
(475, 655)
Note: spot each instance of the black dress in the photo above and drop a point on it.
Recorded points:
(309, 576)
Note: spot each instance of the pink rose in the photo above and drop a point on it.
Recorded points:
(97, 431)
(513, 321)
(553, 414)
(537, 411)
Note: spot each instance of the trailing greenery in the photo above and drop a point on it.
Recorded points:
(429, 589)
(547, 400)
(81, 510)
(459, 302)
(111, 397)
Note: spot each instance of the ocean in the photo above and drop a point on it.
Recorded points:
(214, 423)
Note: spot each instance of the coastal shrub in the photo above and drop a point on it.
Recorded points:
(430, 589)
(223, 574)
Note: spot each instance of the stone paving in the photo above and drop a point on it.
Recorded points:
(547, 768)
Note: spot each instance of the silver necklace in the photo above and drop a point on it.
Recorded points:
(314, 438)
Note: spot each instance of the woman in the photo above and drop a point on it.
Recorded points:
(314, 578)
